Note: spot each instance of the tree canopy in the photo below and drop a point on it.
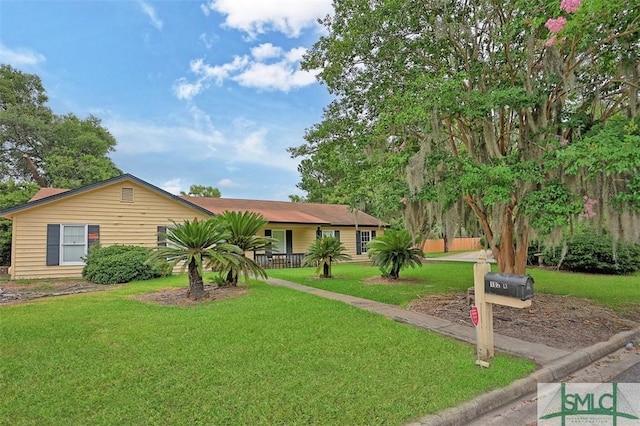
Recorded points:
(202, 191)
(42, 147)
(524, 113)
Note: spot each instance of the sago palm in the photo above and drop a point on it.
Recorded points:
(243, 229)
(394, 250)
(197, 244)
(323, 252)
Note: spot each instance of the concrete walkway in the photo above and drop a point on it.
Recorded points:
(555, 364)
(539, 353)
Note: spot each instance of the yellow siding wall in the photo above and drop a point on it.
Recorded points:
(305, 235)
(120, 223)
(348, 238)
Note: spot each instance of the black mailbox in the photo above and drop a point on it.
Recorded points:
(517, 286)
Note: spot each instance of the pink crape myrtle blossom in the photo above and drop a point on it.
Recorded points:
(570, 6)
(589, 203)
(551, 41)
(556, 25)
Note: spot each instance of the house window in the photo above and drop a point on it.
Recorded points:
(73, 244)
(68, 244)
(280, 245)
(328, 233)
(365, 237)
(163, 240)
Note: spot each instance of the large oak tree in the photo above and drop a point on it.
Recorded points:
(478, 103)
(39, 146)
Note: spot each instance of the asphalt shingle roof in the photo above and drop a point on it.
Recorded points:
(288, 212)
(273, 211)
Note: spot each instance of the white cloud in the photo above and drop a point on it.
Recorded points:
(20, 57)
(196, 139)
(278, 76)
(209, 40)
(185, 90)
(227, 183)
(253, 17)
(269, 68)
(136, 138)
(253, 145)
(219, 72)
(205, 9)
(265, 51)
(173, 186)
(295, 54)
(148, 10)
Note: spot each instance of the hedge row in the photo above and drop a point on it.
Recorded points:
(592, 252)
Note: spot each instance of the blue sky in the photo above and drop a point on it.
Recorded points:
(202, 92)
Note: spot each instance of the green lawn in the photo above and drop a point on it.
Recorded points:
(621, 293)
(349, 278)
(274, 356)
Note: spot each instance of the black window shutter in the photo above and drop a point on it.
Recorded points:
(289, 238)
(318, 233)
(93, 235)
(162, 237)
(373, 234)
(358, 243)
(336, 234)
(267, 233)
(53, 244)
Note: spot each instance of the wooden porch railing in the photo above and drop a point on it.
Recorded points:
(279, 261)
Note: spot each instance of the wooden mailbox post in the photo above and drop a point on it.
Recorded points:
(509, 295)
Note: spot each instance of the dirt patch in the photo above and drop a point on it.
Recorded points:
(178, 296)
(15, 291)
(389, 281)
(18, 292)
(563, 322)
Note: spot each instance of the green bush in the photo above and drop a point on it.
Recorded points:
(591, 252)
(119, 264)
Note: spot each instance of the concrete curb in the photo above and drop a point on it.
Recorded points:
(554, 371)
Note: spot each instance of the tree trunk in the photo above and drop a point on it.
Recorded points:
(326, 270)
(511, 251)
(196, 286)
(232, 278)
(395, 272)
(34, 171)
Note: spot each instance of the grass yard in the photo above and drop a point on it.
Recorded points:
(274, 356)
(348, 278)
(620, 293)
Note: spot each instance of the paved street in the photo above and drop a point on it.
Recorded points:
(631, 375)
(622, 366)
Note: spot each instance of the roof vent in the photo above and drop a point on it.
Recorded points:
(127, 195)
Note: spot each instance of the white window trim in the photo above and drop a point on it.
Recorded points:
(328, 233)
(62, 245)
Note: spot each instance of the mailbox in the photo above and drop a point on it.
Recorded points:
(516, 286)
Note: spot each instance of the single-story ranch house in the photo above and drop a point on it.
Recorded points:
(54, 230)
